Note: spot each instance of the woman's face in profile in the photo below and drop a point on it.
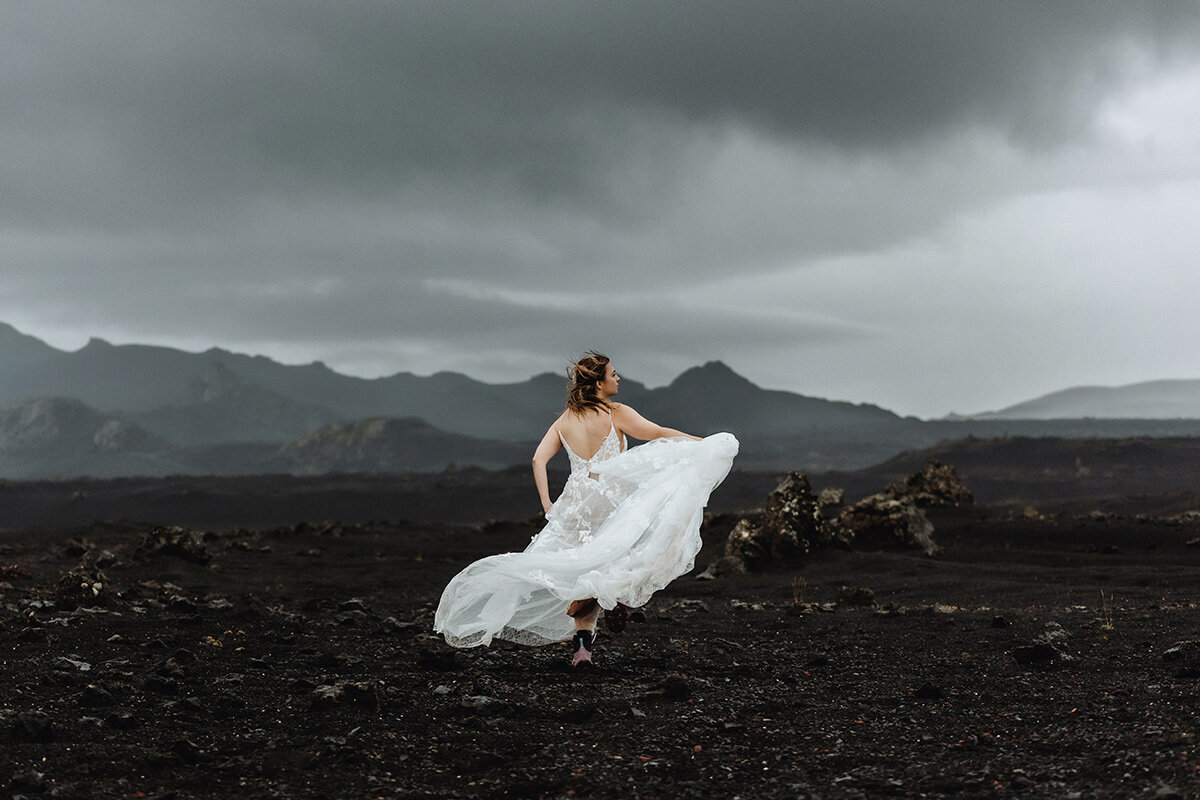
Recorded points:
(611, 383)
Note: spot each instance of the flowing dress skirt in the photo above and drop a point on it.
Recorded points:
(622, 529)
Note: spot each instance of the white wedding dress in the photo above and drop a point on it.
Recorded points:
(626, 524)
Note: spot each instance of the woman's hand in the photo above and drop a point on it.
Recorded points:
(546, 508)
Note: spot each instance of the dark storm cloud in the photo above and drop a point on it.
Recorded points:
(253, 173)
(193, 103)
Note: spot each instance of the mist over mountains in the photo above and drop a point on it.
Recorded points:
(109, 410)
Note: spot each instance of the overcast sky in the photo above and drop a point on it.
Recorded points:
(934, 206)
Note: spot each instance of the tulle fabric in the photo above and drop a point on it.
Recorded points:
(626, 525)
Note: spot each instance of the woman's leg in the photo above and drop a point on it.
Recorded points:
(585, 613)
(582, 609)
(587, 621)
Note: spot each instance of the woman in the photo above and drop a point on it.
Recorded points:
(626, 524)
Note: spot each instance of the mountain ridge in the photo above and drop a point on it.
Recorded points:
(220, 411)
(1167, 398)
(155, 386)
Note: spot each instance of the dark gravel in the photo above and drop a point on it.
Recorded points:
(298, 662)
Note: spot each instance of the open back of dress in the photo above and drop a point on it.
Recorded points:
(626, 524)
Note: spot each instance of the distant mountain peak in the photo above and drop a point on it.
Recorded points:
(50, 424)
(10, 334)
(19, 349)
(711, 375)
(96, 343)
(1159, 399)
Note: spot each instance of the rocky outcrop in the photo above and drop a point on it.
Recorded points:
(83, 585)
(880, 521)
(896, 515)
(797, 521)
(174, 541)
(937, 484)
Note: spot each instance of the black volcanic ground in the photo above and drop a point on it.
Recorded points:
(1038, 656)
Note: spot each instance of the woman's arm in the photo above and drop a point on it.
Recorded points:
(639, 427)
(546, 449)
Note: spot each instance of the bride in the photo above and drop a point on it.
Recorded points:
(626, 524)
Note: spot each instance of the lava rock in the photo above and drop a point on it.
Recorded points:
(327, 696)
(70, 664)
(14, 572)
(188, 705)
(937, 484)
(83, 585)
(882, 520)
(361, 693)
(1039, 654)
(1187, 654)
(673, 687)
(182, 605)
(725, 565)
(794, 522)
(170, 669)
(93, 695)
(481, 702)
(352, 692)
(1188, 649)
(173, 541)
(855, 596)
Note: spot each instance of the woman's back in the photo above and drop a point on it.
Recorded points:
(585, 433)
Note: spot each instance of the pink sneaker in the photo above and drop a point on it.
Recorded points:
(583, 649)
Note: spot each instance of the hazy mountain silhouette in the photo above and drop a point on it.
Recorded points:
(17, 350)
(1042, 467)
(220, 406)
(1165, 399)
(713, 398)
(222, 397)
(60, 436)
(139, 409)
(394, 445)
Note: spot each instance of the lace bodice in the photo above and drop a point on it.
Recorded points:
(611, 447)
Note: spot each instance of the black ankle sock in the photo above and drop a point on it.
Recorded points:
(583, 638)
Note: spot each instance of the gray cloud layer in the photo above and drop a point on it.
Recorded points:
(305, 173)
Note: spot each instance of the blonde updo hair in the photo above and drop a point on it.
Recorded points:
(582, 377)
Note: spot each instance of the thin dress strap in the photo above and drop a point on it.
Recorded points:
(612, 428)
